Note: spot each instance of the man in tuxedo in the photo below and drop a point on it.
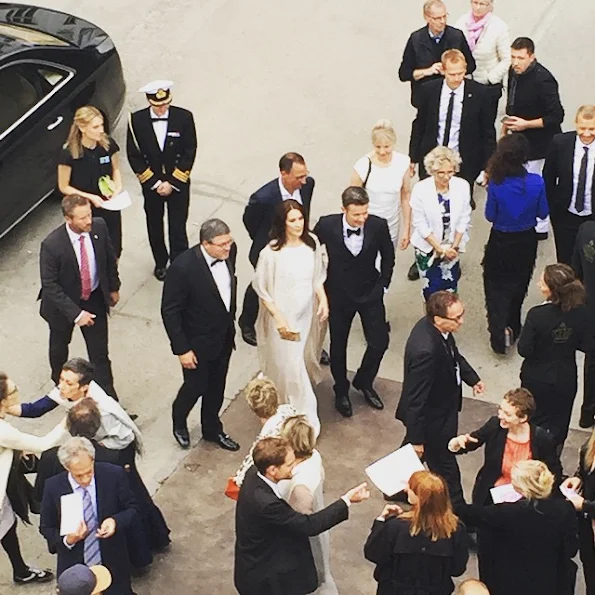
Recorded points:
(432, 395)
(198, 309)
(108, 510)
(570, 181)
(422, 56)
(533, 109)
(161, 147)
(355, 286)
(454, 112)
(79, 285)
(293, 183)
(272, 550)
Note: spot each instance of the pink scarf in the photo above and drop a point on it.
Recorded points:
(475, 29)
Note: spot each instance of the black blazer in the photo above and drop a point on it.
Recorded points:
(414, 564)
(352, 278)
(61, 278)
(145, 156)
(583, 262)
(477, 137)
(430, 392)
(193, 313)
(493, 435)
(114, 500)
(536, 96)
(421, 52)
(272, 550)
(259, 212)
(588, 483)
(558, 174)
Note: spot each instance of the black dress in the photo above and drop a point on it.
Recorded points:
(85, 174)
(414, 565)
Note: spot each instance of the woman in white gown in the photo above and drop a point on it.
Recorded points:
(289, 281)
(304, 492)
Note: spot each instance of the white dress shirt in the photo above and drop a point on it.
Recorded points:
(286, 196)
(457, 112)
(221, 276)
(77, 489)
(579, 151)
(354, 242)
(159, 127)
(271, 484)
(75, 240)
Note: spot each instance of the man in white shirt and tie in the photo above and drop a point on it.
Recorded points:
(198, 311)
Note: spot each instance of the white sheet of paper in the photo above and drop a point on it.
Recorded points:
(391, 473)
(118, 203)
(567, 492)
(505, 493)
(71, 513)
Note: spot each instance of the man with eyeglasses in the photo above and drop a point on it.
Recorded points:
(198, 309)
(432, 394)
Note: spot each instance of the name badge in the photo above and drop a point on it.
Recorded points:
(105, 159)
(174, 134)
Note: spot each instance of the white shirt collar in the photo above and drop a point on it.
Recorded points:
(154, 115)
(209, 259)
(346, 226)
(580, 144)
(285, 195)
(76, 486)
(270, 483)
(459, 92)
(74, 237)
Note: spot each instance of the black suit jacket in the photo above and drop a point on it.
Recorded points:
(355, 278)
(193, 313)
(145, 156)
(61, 278)
(431, 394)
(259, 212)
(583, 262)
(493, 435)
(272, 550)
(477, 137)
(422, 51)
(114, 500)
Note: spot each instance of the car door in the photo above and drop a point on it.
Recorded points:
(35, 117)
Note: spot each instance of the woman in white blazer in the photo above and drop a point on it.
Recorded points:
(441, 216)
(489, 41)
(13, 498)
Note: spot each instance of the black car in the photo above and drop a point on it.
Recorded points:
(51, 63)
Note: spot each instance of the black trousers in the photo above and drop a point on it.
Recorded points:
(373, 317)
(206, 381)
(249, 314)
(113, 220)
(96, 339)
(177, 215)
(493, 94)
(587, 553)
(588, 406)
(565, 230)
(10, 544)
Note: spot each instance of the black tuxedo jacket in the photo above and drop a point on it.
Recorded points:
(193, 313)
(558, 174)
(259, 212)
(430, 392)
(61, 278)
(146, 158)
(356, 278)
(422, 51)
(493, 435)
(114, 500)
(272, 550)
(477, 137)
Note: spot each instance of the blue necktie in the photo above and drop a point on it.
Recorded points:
(92, 554)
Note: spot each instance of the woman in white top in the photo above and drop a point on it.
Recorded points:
(384, 173)
(441, 215)
(489, 41)
(304, 492)
(289, 281)
(11, 496)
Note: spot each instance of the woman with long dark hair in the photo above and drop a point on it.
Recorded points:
(515, 200)
(553, 332)
(289, 281)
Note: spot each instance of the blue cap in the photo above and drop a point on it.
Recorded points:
(82, 580)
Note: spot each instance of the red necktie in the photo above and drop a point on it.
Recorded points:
(85, 270)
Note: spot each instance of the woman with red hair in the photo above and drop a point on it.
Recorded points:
(418, 551)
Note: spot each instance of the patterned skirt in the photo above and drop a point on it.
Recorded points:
(437, 274)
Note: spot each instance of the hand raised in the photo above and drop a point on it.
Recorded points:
(358, 494)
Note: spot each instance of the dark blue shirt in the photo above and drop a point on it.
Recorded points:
(515, 204)
(38, 408)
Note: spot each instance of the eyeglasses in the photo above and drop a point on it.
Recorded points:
(458, 318)
(227, 244)
(13, 391)
(443, 17)
(480, 4)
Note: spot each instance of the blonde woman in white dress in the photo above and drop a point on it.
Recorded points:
(289, 281)
(304, 493)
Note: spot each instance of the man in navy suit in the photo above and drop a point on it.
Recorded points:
(293, 182)
(108, 510)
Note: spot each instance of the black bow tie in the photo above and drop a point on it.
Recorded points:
(216, 261)
(351, 232)
(159, 119)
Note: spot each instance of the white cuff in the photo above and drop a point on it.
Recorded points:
(346, 500)
(156, 185)
(79, 317)
(67, 544)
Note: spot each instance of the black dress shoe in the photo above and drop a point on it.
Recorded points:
(413, 274)
(224, 441)
(182, 437)
(586, 421)
(371, 397)
(35, 575)
(160, 273)
(325, 358)
(249, 336)
(343, 405)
